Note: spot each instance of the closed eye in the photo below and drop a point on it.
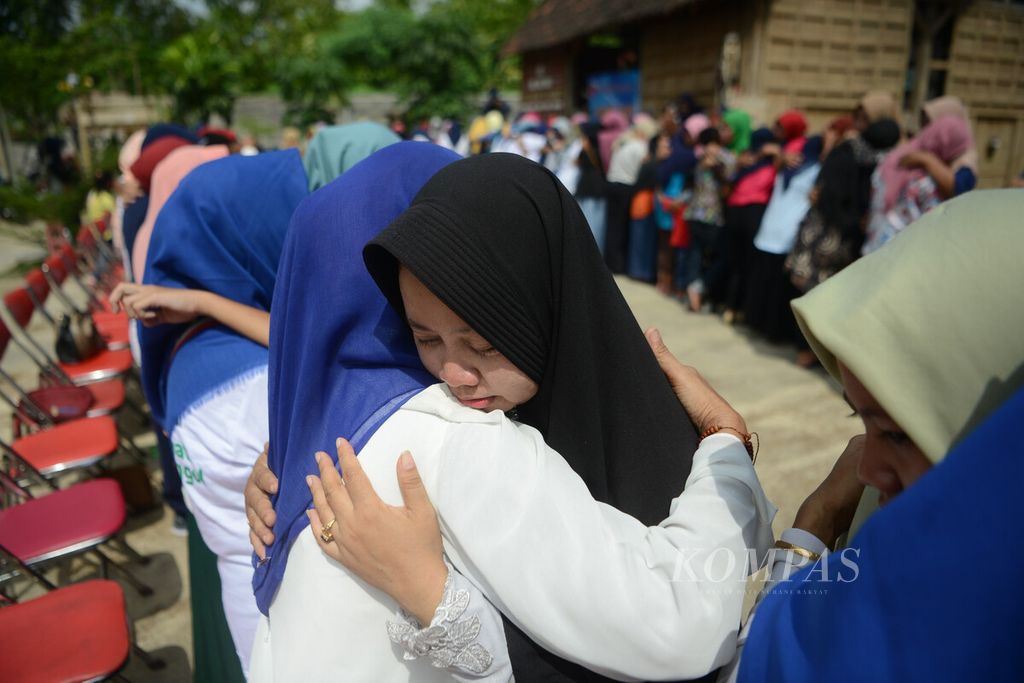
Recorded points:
(898, 438)
(427, 341)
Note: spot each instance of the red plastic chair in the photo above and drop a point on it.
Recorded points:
(64, 523)
(77, 633)
(107, 396)
(104, 365)
(69, 446)
(64, 445)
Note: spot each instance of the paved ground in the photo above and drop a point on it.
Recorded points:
(802, 421)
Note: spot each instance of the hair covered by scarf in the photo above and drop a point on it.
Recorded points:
(741, 125)
(950, 105)
(505, 246)
(341, 360)
(518, 263)
(947, 138)
(793, 125)
(335, 149)
(879, 104)
(221, 231)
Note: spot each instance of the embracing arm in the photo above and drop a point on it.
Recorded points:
(584, 580)
(155, 305)
(941, 172)
(590, 583)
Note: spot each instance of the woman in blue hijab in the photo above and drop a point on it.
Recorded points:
(522, 522)
(221, 231)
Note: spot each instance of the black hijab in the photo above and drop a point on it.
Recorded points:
(503, 244)
(844, 182)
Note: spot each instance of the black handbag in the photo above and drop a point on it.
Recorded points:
(77, 339)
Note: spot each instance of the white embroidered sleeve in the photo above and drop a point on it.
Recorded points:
(455, 638)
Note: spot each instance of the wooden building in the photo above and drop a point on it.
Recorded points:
(769, 55)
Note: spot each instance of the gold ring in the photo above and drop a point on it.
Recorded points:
(325, 532)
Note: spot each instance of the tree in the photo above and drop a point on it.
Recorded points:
(32, 60)
(431, 62)
(310, 83)
(203, 73)
(111, 44)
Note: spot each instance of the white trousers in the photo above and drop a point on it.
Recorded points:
(215, 444)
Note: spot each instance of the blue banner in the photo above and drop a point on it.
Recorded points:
(615, 89)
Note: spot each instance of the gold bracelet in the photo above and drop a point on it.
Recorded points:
(803, 552)
(744, 437)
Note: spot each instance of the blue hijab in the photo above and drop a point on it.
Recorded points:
(758, 139)
(341, 360)
(134, 215)
(937, 592)
(811, 153)
(222, 231)
(163, 130)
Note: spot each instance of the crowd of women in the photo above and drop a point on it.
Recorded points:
(542, 492)
(743, 220)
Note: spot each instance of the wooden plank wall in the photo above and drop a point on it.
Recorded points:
(986, 71)
(822, 55)
(680, 52)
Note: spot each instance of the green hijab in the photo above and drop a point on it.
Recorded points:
(933, 323)
(335, 149)
(742, 127)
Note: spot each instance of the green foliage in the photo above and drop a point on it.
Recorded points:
(118, 42)
(311, 84)
(436, 62)
(441, 70)
(203, 75)
(108, 44)
(25, 204)
(32, 60)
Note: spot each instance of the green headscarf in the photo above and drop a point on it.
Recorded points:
(742, 127)
(933, 323)
(335, 149)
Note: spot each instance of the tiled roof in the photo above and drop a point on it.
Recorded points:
(557, 21)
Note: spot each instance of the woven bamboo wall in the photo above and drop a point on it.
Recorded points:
(680, 52)
(986, 70)
(822, 55)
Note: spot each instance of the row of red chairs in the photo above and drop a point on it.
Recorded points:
(83, 518)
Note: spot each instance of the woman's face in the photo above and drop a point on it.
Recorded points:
(860, 119)
(891, 461)
(664, 150)
(477, 373)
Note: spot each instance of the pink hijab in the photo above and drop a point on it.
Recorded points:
(696, 124)
(128, 189)
(613, 124)
(947, 138)
(950, 105)
(166, 176)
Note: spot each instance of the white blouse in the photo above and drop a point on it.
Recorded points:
(584, 580)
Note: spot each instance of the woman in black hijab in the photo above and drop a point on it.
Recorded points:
(520, 266)
(504, 247)
(831, 234)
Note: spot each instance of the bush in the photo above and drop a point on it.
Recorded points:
(21, 203)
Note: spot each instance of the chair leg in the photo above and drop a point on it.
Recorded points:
(142, 588)
(133, 449)
(151, 662)
(131, 552)
(135, 408)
